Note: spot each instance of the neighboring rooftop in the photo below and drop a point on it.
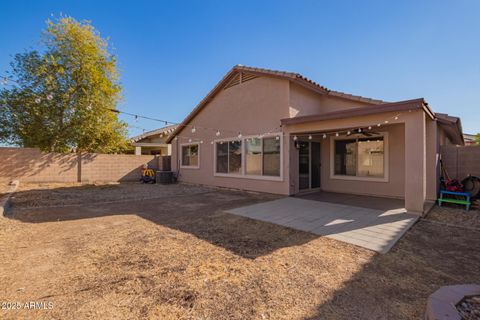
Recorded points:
(166, 131)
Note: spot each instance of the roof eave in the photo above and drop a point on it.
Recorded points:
(388, 107)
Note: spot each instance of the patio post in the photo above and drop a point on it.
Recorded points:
(415, 161)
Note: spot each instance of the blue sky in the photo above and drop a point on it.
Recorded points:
(172, 53)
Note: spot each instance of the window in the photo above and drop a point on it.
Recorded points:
(222, 157)
(235, 157)
(229, 157)
(253, 160)
(260, 156)
(360, 157)
(271, 156)
(190, 156)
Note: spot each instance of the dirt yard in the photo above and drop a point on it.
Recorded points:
(177, 255)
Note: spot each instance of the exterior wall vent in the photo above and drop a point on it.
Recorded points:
(240, 77)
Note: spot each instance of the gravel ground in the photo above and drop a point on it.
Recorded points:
(181, 256)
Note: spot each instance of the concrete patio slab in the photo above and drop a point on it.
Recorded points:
(374, 229)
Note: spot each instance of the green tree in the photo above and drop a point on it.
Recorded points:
(62, 95)
(477, 138)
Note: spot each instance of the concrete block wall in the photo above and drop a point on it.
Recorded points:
(32, 165)
(461, 161)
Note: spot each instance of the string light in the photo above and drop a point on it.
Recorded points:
(189, 140)
(194, 128)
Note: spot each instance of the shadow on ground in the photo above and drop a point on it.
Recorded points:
(396, 285)
(391, 286)
(200, 214)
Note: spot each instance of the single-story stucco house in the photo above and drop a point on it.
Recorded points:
(279, 132)
(153, 142)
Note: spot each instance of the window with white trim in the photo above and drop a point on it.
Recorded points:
(190, 155)
(360, 157)
(261, 157)
(229, 157)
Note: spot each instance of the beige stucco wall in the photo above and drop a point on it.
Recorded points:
(257, 106)
(251, 108)
(304, 102)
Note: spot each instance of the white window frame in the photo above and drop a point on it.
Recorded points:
(386, 152)
(242, 173)
(182, 166)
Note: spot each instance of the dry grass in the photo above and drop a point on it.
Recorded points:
(182, 257)
(455, 214)
(62, 194)
(4, 187)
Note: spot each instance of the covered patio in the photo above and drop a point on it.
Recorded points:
(368, 202)
(386, 151)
